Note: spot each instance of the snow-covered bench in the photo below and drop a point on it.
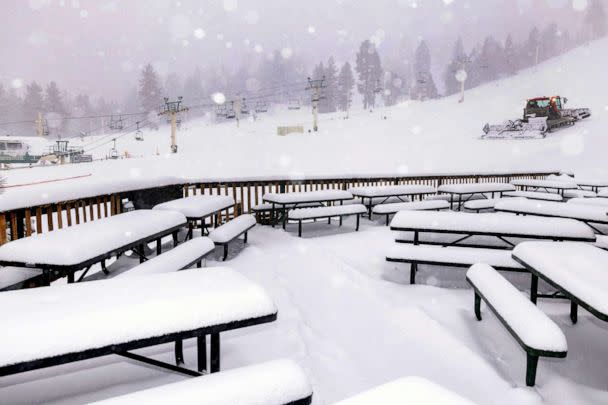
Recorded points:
(65, 251)
(263, 211)
(538, 335)
(408, 390)
(453, 256)
(424, 205)
(198, 208)
(278, 382)
(16, 278)
(463, 192)
(116, 316)
(603, 193)
(223, 235)
(483, 205)
(375, 195)
(328, 213)
(180, 257)
(579, 194)
(534, 195)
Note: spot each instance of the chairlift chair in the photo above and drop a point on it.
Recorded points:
(293, 104)
(261, 107)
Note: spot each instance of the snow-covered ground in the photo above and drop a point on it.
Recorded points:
(353, 322)
(438, 136)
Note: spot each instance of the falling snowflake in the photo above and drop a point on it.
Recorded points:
(199, 33)
(17, 83)
(218, 98)
(286, 53)
(579, 5)
(461, 75)
(311, 29)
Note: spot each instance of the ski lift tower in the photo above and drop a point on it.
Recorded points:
(139, 136)
(171, 109)
(315, 87)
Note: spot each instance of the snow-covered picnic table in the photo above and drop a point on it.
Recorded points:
(593, 184)
(464, 192)
(65, 251)
(603, 193)
(198, 208)
(576, 270)
(376, 195)
(598, 202)
(284, 202)
(534, 195)
(278, 382)
(534, 185)
(497, 225)
(54, 325)
(407, 390)
(588, 214)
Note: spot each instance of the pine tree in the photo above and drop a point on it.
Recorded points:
(369, 70)
(510, 57)
(424, 88)
(458, 62)
(394, 88)
(173, 86)
(550, 42)
(473, 74)
(150, 93)
(331, 83)
(595, 19)
(346, 82)
(490, 60)
(82, 108)
(194, 92)
(53, 101)
(11, 109)
(531, 49)
(33, 102)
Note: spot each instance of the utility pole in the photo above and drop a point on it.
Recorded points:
(172, 108)
(315, 86)
(461, 76)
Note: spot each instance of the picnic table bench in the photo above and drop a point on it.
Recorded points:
(198, 208)
(385, 193)
(279, 382)
(603, 193)
(65, 251)
(407, 390)
(593, 184)
(286, 202)
(591, 215)
(538, 335)
(579, 194)
(424, 205)
(141, 312)
(328, 213)
(464, 192)
(576, 270)
(534, 195)
(487, 204)
(547, 185)
(598, 202)
(15, 278)
(224, 234)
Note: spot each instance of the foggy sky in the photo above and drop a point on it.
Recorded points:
(98, 46)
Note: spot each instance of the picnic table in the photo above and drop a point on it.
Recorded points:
(65, 251)
(55, 325)
(576, 270)
(385, 193)
(198, 208)
(464, 192)
(284, 202)
(593, 184)
(501, 226)
(547, 185)
(588, 214)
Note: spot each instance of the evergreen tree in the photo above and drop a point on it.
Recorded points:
(550, 42)
(346, 82)
(11, 109)
(473, 74)
(394, 88)
(331, 89)
(193, 88)
(510, 57)
(595, 19)
(531, 49)
(173, 86)
(458, 62)
(490, 60)
(369, 70)
(53, 101)
(33, 102)
(150, 93)
(424, 87)
(82, 108)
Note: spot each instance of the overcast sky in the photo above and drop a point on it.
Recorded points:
(98, 46)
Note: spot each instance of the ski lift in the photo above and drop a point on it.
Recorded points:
(293, 104)
(116, 125)
(113, 152)
(244, 108)
(45, 128)
(139, 136)
(230, 113)
(178, 123)
(261, 107)
(220, 111)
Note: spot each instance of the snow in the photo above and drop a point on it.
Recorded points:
(504, 224)
(545, 184)
(474, 188)
(13, 275)
(276, 382)
(390, 191)
(306, 197)
(581, 212)
(78, 243)
(415, 205)
(579, 194)
(453, 254)
(175, 259)
(323, 212)
(534, 328)
(232, 228)
(601, 241)
(579, 268)
(599, 202)
(603, 193)
(534, 195)
(487, 203)
(407, 390)
(198, 206)
(139, 308)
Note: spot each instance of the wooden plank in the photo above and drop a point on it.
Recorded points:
(28, 223)
(59, 216)
(118, 204)
(14, 235)
(91, 210)
(68, 211)
(77, 212)
(49, 217)
(98, 200)
(2, 228)
(105, 206)
(38, 219)
(112, 205)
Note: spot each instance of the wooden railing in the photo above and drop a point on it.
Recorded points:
(25, 221)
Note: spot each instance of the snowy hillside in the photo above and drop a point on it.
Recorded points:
(436, 136)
